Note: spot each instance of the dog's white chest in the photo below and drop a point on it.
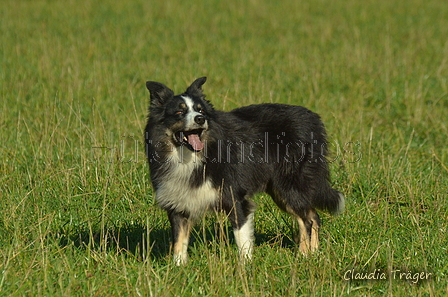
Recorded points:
(177, 191)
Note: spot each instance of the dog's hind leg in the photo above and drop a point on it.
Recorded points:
(307, 236)
(181, 227)
(302, 238)
(308, 233)
(313, 217)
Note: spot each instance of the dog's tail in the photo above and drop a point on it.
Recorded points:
(331, 200)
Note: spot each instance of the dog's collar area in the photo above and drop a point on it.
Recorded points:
(191, 139)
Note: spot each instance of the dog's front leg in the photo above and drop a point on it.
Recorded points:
(181, 227)
(244, 236)
(241, 215)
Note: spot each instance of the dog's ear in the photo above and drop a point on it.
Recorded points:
(196, 87)
(159, 93)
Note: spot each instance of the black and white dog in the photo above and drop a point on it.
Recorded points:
(202, 159)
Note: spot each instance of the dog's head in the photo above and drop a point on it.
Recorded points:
(186, 116)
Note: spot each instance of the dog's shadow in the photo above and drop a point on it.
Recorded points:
(140, 242)
(217, 234)
(134, 240)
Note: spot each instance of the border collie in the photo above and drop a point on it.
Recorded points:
(203, 159)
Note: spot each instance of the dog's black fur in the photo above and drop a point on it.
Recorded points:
(201, 159)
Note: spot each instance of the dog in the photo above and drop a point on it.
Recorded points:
(203, 159)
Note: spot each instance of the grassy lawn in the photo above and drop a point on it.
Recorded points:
(77, 212)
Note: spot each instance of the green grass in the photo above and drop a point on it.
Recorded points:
(77, 215)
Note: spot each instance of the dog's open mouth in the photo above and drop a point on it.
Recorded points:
(191, 139)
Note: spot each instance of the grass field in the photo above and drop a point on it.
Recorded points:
(77, 212)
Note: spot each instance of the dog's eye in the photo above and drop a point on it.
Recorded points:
(201, 110)
(179, 112)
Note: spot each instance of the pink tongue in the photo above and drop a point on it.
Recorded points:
(195, 142)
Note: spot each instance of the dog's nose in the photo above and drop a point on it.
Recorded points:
(199, 119)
